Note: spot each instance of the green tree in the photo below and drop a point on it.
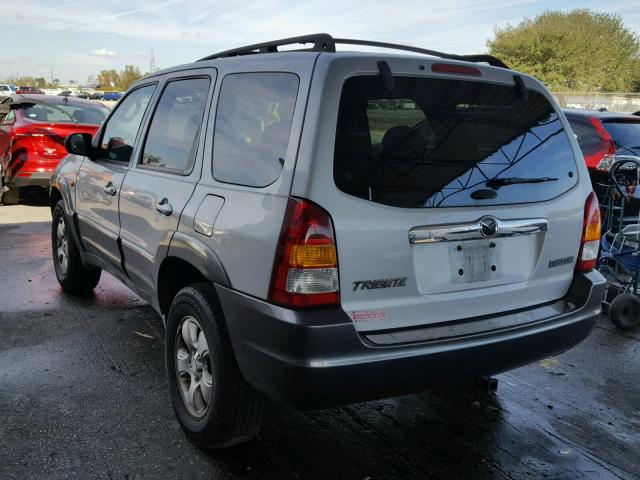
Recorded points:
(577, 50)
(128, 76)
(40, 82)
(108, 79)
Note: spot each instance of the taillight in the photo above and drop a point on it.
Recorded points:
(602, 156)
(46, 143)
(305, 272)
(590, 243)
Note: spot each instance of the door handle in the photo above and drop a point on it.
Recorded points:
(164, 207)
(109, 189)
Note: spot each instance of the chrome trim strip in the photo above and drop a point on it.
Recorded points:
(473, 231)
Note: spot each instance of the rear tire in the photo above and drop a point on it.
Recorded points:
(624, 311)
(213, 403)
(72, 275)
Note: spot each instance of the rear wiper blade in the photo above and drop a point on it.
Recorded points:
(496, 183)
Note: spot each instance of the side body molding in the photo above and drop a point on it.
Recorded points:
(199, 255)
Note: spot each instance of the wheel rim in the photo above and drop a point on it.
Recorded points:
(62, 246)
(193, 367)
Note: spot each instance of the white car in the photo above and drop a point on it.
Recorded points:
(6, 90)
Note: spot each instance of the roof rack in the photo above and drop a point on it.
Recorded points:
(323, 42)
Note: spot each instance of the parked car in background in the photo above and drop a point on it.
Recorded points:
(66, 93)
(602, 136)
(112, 96)
(96, 96)
(32, 133)
(304, 247)
(83, 95)
(27, 90)
(5, 90)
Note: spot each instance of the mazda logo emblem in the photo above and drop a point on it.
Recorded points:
(488, 227)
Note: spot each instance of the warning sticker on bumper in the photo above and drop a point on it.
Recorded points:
(368, 315)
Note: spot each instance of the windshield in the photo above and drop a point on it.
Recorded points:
(433, 142)
(625, 133)
(65, 112)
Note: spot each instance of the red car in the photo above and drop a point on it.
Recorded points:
(603, 135)
(32, 133)
(28, 90)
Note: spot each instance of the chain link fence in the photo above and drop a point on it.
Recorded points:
(613, 102)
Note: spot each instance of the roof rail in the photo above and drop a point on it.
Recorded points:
(323, 42)
(481, 58)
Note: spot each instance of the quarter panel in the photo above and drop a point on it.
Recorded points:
(245, 235)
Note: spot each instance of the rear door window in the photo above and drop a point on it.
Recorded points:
(253, 122)
(434, 142)
(173, 135)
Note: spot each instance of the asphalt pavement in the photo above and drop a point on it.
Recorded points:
(83, 395)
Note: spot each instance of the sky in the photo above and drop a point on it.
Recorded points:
(75, 39)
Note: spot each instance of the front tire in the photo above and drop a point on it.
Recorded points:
(213, 403)
(72, 275)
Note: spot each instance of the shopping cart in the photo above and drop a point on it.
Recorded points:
(619, 259)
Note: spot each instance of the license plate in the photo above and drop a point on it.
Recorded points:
(474, 261)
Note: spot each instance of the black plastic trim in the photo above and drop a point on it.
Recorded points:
(316, 358)
(323, 42)
(198, 254)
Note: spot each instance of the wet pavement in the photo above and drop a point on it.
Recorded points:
(83, 395)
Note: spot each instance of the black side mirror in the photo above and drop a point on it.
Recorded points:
(78, 144)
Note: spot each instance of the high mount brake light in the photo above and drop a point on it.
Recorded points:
(590, 243)
(305, 272)
(456, 69)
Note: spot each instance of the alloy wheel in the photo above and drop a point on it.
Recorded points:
(62, 246)
(193, 367)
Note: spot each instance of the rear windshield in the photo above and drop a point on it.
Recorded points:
(626, 134)
(65, 112)
(434, 142)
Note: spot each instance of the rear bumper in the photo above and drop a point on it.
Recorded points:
(35, 179)
(315, 359)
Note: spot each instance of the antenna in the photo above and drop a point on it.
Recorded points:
(152, 62)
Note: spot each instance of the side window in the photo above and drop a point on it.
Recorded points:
(121, 129)
(10, 117)
(173, 133)
(253, 122)
(5, 111)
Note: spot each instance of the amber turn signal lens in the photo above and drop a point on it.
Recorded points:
(313, 256)
(592, 227)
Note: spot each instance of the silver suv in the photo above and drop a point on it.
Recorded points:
(319, 227)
